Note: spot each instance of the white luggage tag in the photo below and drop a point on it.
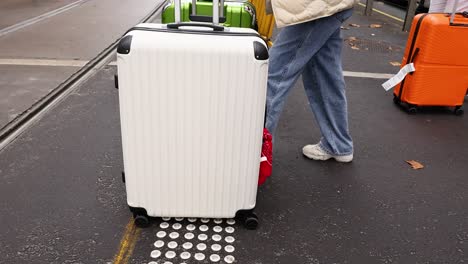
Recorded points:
(392, 82)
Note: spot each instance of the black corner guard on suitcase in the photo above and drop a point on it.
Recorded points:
(260, 51)
(124, 45)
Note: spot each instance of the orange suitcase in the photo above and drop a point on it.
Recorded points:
(438, 47)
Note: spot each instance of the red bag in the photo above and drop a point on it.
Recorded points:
(266, 158)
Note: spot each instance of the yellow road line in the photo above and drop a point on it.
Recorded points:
(127, 243)
(385, 14)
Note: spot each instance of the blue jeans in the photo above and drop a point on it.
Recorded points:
(312, 49)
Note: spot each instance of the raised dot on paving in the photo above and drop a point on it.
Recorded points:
(172, 245)
(230, 229)
(159, 244)
(155, 254)
(170, 254)
(187, 245)
(152, 262)
(161, 234)
(199, 256)
(201, 246)
(164, 225)
(191, 227)
(189, 236)
(216, 238)
(179, 219)
(215, 258)
(217, 229)
(192, 220)
(166, 218)
(231, 221)
(205, 220)
(203, 228)
(176, 226)
(167, 262)
(229, 249)
(216, 247)
(174, 235)
(230, 239)
(218, 221)
(229, 259)
(202, 237)
(185, 255)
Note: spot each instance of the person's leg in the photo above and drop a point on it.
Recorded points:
(325, 89)
(293, 48)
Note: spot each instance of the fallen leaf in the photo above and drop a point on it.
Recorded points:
(395, 63)
(352, 38)
(354, 25)
(344, 28)
(354, 48)
(375, 26)
(415, 165)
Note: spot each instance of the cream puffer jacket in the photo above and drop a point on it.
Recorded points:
(291, 12)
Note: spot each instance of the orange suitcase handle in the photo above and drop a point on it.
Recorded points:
(452, 16)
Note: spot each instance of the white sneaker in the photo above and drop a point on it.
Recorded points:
(315, 152)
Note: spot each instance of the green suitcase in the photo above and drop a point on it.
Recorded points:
(236, 13)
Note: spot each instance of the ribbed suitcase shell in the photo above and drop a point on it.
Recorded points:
(440, 55)
(192, 108)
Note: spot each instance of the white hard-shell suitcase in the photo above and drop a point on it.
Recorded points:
(192, 105)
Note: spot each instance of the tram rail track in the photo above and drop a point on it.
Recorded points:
(27, 118)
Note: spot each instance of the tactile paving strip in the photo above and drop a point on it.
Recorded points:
(185, 241)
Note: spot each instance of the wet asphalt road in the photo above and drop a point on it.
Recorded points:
(62, 200)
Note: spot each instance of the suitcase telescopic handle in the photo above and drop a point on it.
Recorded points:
(194, 17)
(452, 16)
(218, 12)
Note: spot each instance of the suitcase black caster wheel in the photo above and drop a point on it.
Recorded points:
(251, 222)
(141, 221)
(412, 110)
(458, 111)
(396, 100)
(248, 218)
